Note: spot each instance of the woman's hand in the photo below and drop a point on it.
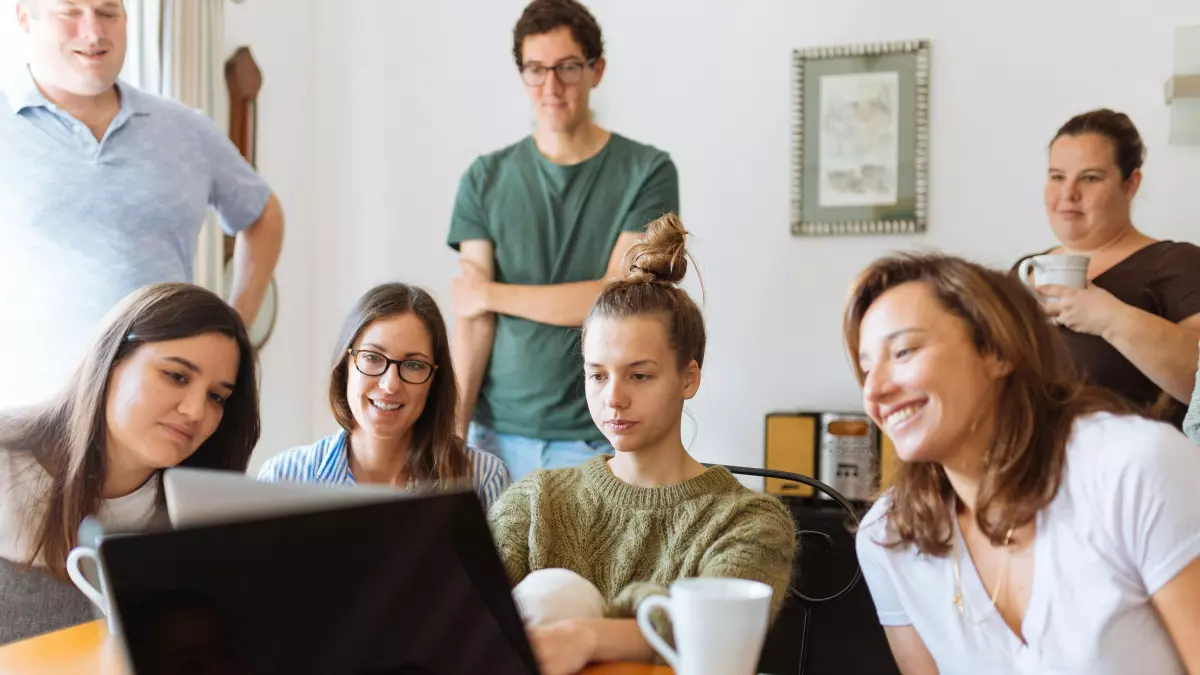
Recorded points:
(1092, 310)
(562, 647)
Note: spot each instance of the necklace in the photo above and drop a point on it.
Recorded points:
(958, 594)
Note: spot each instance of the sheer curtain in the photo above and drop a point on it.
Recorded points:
(177, 50)
(12, 41)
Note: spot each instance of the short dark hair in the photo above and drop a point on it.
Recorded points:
(543, 16)
(1128, 150)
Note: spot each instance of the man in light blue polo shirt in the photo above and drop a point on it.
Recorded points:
(104, 189)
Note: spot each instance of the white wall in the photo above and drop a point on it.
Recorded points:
(409, 93)
(371, 110)
(282, 36)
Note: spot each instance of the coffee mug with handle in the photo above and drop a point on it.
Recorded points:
(720, 625)
(92, 590)
(1054, 268)
(91, 585)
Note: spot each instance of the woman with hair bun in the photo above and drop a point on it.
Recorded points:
(586, 545)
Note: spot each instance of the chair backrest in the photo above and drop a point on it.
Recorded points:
(827, 624)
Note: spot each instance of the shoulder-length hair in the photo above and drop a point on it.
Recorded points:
(437, 455)
(1038, 402)
(67, 435)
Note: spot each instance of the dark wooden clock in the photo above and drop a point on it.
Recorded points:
(244, 80)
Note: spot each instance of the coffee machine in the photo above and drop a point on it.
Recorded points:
(844, 450)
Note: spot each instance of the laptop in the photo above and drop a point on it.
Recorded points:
(209, 496)
(390, 587)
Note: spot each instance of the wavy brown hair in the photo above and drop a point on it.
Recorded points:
(68, 434)
(649, 288)
(437, 454)
(1037, 405)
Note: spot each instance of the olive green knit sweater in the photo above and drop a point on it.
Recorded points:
(632, 542)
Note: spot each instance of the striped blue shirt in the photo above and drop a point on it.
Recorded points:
(326, 461)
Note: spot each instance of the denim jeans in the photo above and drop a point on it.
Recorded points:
(522, 455)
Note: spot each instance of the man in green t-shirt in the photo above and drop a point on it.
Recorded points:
(541, 226)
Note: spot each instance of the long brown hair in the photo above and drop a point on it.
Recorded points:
(1038, 402)
(437, 454)
(68, 434)
(649, 288)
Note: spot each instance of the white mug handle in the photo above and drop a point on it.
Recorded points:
(77, 577)
(647, 627)
(1023, 271)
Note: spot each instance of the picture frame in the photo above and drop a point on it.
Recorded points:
(860, 139)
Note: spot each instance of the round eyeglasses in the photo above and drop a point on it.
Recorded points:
(567, 72)
(374, 364)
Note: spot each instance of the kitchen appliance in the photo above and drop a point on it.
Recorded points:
(804, 442)
(848, 460)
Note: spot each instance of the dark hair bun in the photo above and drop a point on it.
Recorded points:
(661, 256)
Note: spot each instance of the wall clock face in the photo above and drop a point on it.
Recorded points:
(244, 80)
(264, 323)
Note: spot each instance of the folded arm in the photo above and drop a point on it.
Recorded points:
(1165, 352)
(555, 304)
(473, 335)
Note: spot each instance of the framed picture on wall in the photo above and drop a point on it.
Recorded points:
(860, 139)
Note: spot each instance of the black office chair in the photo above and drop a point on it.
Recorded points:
(827, 625)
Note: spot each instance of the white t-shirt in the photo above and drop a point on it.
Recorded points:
(23, 482)
(1125, 521)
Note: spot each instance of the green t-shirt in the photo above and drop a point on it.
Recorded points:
(552, 224)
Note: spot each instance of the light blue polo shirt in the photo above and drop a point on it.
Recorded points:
(84, 222)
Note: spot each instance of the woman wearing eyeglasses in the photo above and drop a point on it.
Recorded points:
(392, 391)
(1034, 525)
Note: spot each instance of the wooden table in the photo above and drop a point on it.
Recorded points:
(86, 650)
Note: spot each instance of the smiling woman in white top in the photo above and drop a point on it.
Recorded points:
(393, 392)
(1033, 525)
(169, 380)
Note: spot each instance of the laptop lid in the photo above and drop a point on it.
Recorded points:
(209, 496)
(402, 587)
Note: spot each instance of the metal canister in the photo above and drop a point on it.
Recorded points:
(848, 460)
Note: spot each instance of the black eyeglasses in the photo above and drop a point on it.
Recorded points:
(569, 72)
(374, 364)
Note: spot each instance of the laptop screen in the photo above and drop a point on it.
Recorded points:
(406, 587)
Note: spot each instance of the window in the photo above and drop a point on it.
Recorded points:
(12, 40)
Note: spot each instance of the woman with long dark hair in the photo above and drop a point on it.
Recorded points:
(169, 380)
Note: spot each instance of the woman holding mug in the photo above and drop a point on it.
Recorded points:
(1133, 327)
(393, 393)
(169, 380)
(1034, 525)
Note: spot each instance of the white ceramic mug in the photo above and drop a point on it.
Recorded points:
(94, 591)
(720, 625)
(1055, 268)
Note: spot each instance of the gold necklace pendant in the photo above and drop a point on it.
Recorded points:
(958, 592)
